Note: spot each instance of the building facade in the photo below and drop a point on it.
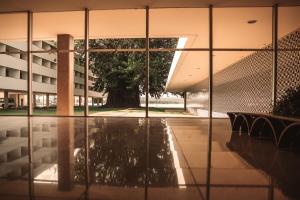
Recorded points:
(13, 76)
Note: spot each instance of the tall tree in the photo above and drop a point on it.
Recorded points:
(121, 75)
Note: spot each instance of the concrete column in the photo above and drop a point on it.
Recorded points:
(79, 98)
(47, 100)
(18, 104)
(65, 75)
(5, 99)
(184, 96)
(92, 102)
(98, 100)
(17, 101)
(65, 159)
(34, 101)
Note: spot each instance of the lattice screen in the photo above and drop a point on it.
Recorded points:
(247, 84)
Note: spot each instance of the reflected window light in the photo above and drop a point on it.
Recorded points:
(48, 176)
(180, 177)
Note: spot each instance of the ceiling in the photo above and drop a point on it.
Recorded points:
(230, 26)
(72, 5)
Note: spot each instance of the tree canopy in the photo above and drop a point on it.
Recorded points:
(121, 75)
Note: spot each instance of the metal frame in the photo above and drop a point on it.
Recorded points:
(86, 62)
(147, 64)
(275, 53)
(210, 68)
(29, 63)
(154, 50)
(210, 106)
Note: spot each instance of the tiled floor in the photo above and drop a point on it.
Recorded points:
(138, 158)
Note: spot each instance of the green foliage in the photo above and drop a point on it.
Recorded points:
(126, 70)
(289, 105)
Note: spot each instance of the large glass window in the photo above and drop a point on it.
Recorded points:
(191, 23)
(45, 70)
(13, 64)
(117, 61)
(242, 27)
(177, 29)
(288, 76)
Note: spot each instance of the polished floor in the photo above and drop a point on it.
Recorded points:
(138, 158)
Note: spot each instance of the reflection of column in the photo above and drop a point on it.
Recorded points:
(86, 159)
(65, 75)
(98, 100)
(5, 99)
(92, 102)
(65, 161)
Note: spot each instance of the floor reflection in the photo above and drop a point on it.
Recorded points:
(138, 158)
(281, 165)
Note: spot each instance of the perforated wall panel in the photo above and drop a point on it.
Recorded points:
(246, 85)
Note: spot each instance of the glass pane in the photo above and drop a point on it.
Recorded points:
(44, 80)
(288, 23)
(114, 24)
(47, 25)
(162, 102)
(14, 157)
(190, 74)
(191, 23)
(171, 74)
(58, 157)
(13, 64)
(288, 60)
(242, 82)
(45, 71)
(242, 27)
(119, 81)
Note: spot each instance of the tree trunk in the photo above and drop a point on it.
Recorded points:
(123, 99)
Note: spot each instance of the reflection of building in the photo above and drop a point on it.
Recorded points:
(48, 136)
(13, 75)
(14, 149)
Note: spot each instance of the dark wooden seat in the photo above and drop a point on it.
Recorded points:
(284, 131)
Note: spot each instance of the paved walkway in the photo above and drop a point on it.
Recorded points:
(141, 113)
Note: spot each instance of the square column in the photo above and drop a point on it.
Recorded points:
(47, 100)
(65, 75)
(5, 99)
(80, 101)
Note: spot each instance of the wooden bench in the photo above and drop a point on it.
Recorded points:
(285, 131)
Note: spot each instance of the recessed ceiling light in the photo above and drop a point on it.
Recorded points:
(190, 75)
(197, 67)
(252, 21)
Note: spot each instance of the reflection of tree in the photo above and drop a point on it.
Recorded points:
(118, 154)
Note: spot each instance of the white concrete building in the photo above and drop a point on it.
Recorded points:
(13, 75)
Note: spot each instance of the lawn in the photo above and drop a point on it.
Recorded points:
(78, 111)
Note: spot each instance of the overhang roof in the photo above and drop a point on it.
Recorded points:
(72, 5)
